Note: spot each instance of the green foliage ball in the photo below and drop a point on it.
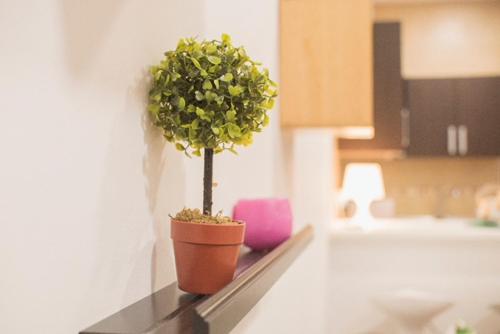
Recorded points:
(210, 94)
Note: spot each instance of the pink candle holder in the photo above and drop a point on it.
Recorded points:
(268, 221)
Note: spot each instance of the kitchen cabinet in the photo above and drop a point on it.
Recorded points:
(432, 116)
(454, 117)
(388, 92)
(478, 124)
(326, 63)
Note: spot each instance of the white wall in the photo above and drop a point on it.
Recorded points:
(85, 183)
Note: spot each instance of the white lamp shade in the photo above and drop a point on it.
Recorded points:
(363, 182)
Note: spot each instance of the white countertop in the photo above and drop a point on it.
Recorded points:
(425, 227)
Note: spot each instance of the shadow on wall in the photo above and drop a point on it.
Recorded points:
(164, 172)
(121, 209)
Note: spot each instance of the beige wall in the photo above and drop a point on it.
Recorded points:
(443, 186)
(453, 39)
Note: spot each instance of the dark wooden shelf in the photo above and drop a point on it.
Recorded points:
(171, 310)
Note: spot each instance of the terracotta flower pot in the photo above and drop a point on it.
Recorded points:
(205, 254)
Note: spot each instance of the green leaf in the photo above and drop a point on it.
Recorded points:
(158, 74)
(210, 96)
(154, 108)
(215, 130)
(247, 139)
(242, 52)
(175, 76)
(181, 103)
(199, 95)
(169, 137)
(192, 134)
(153, 70)
(266, 120)
(195, 123)
(269, 104)
(226, 39)
(235, 90)
(219, 100)
(197, 152)
(181, 46)
(233, 130)
(157, 97)
(200, 112)
(211, 48)
(231, 115)
(232, 150)
(191, 108)
(196, 63)
(214, 60)
(180, 147)
(227, 77)
(216, 83)
(207, 85)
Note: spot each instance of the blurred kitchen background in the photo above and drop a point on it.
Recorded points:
(436, 107)
(422, 260)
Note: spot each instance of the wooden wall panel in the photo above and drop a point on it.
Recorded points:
(326, 63)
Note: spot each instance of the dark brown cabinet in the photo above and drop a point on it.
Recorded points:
(478, 119)
(453, 117)
(388, 91)
(431, 113)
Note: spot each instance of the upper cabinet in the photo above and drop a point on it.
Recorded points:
(454, 117)
(390, 132)
(432, 115)
(478, 124)
(326, 63)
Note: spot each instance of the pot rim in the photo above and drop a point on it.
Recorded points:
(234, 223)
(207, 233)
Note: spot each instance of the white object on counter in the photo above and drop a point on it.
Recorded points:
(411, 311)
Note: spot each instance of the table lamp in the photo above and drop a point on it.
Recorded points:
(363, 183)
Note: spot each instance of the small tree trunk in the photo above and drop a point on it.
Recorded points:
(207, 181)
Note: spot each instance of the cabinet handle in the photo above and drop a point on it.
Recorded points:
(452, 139)
(462, 140)
(405, 128)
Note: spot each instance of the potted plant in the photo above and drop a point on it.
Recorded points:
(208, 97)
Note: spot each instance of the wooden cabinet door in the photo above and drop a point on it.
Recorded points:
(326, 63)
(478, 107)
(431, 104)
(388, 91)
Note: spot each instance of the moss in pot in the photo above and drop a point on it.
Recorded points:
(208, 97)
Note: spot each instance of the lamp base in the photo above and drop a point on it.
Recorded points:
(362, 216)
